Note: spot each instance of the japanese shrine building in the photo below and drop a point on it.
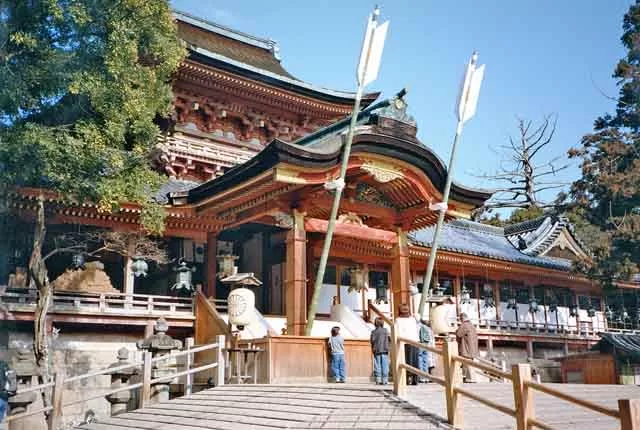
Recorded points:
(247, 153)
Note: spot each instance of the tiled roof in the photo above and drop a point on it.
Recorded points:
(173, 186)
(472, 238)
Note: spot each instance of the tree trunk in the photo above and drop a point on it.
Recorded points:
(40, 280)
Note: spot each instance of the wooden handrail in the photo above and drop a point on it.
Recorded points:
(505, 410)
(422, 373)
(57, 404)
(485, 367)
(522, 385)
(420, 345)
(572, 399)
(373, 308)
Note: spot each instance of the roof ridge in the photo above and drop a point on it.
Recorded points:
(259, 42)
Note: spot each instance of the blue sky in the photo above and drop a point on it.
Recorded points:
(542, 57)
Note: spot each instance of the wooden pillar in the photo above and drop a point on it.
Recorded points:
(490, 346)
(400, 273)
(212, 264)
(452, 379)
(296, 276)
(496, 293)
(456, 294)
(566, 348)
(530, 349)
(523, 396)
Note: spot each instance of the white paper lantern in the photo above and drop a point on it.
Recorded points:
(439, 322)
(242, 303)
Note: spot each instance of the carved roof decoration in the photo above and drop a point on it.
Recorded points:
(539, 236)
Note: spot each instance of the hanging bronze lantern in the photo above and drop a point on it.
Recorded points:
(226, 265)
(359, 279)
(139, 267)
(512, 304)
(591, 312)
(465, 295)
(381, 292)
(533, 306)
(183, 277)
(77, 260)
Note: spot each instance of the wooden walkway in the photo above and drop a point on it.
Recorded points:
(354, 406)
(239, 407)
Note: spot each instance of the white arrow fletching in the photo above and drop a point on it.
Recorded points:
(371, 53)
(473, 93)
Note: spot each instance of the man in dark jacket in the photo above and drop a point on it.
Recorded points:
(467, 338)
(380, 347)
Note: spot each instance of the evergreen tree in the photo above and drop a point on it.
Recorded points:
(607, 195)
(82, 82)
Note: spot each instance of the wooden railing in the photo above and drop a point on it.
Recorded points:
(24, 299)
(585, 329)
(55, 410)
(523, 389)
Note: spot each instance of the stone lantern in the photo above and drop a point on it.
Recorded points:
(26, 373)
(159, 344)
(120, 378)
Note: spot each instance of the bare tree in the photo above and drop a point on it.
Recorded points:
(521, 177)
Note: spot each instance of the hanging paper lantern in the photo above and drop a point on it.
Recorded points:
(241, 303)
(139, 267)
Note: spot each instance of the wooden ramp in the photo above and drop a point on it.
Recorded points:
(322, 406)
(553, 411)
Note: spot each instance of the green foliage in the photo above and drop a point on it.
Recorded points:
(607, 196)
(82, 83)
(525, 214)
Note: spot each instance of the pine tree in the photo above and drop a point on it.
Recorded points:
(607, 195)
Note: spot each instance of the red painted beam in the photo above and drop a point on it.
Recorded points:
(314, 225)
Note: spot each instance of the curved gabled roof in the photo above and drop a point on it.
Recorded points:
(323, 149)
(472, 238)
(250, 56)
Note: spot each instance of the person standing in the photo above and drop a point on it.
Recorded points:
(406, 326)
(425, 358)
(336, 347)
(380, 348)
(467, 338)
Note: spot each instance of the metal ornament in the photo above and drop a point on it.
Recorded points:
(381, 292)
(77, 260)
(465, 295)
(533, 306)
(591, 312)
(183, 277)
(139, 267)
(512, 304)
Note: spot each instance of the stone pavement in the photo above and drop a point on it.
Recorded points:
(557, 413)
(321, 406)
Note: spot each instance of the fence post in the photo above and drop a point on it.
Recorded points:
(452, 378)
(629, 414)
(522, 395)
(399, 372)
(188, 344)
(145, 392)
(220, 340)
(53, 420)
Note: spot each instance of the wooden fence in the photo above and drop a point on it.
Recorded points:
(24, 299)
(55, 410)
(523, 388)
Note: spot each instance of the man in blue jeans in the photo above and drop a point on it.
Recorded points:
(380, 347)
